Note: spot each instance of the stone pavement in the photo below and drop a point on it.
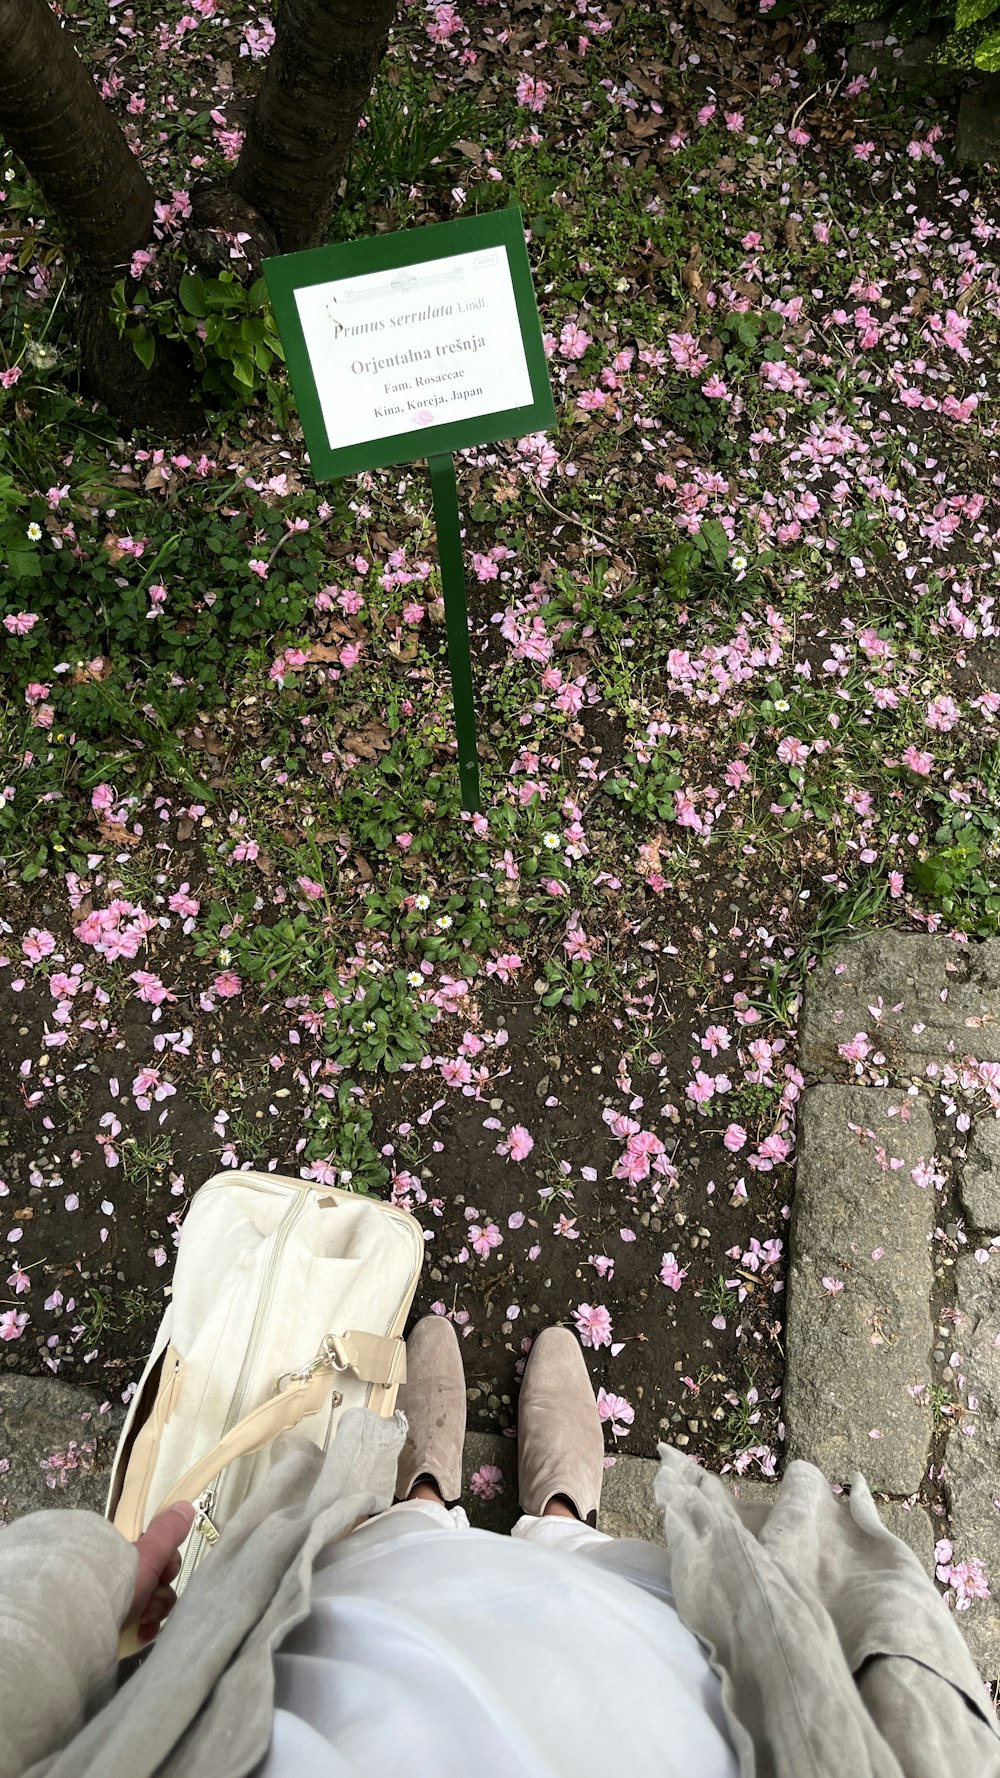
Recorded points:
(55, 1445)
(893, 1327)
(893, 1324)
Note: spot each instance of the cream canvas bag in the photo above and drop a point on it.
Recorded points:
(288, 1307)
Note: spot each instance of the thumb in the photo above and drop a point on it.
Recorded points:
(157, 1544)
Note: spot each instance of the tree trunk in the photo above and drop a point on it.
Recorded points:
(53, 117)
(316, 83)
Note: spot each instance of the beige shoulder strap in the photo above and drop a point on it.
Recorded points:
(375, 1358)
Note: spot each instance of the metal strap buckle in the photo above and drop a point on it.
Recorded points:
(332, 1356)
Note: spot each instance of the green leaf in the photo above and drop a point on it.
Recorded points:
(988, 55)
(960, 48)
(969, 12)
(219, 293)
(932, 878)
(243, 371)
(144, 346)
(24, 564)
(192, 295)
(911, 19)
(851, 12)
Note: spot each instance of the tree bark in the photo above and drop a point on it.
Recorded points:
(316, 83)
(53, 117)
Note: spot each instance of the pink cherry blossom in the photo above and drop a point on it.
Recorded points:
(593, 1324)
(486, 1482)
(227, 984)
(485, 1239)
(519, 1143)
(38, 944)
(150, 988)
(701, 1089)
(577, 945)
(574, 340)
(918, 762)
(618, 1410)
(183, 903)
(943, 714)
(671, 1274)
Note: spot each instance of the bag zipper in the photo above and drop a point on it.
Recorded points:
(205, 1524)
(164, 1400)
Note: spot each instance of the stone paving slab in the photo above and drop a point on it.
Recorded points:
(939, 1001)
(977, 132)
(852, 1356)
(972, 1474)
(979, 1176)
(913, 1524)
(41, 1418)
(627, 1505)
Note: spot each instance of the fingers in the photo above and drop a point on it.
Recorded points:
(171, 1570)
(157, 1549)
(159, 1606)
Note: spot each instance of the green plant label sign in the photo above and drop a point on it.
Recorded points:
(415, 344)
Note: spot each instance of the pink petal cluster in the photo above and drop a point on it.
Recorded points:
(486, 1482)
(593, 1324)
(671, 1274)
(617, 1410)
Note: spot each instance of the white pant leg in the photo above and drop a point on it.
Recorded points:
(450, 1518)
(552, 1529)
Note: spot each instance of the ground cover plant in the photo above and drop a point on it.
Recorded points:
(735, 638)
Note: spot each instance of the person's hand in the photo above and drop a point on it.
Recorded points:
(159, 1564)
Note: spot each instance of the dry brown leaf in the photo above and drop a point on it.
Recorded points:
(117, 836)
(367, 743)
(405, 650)
(719, 11)
(325, 651)
(185, 828)
(651, 88)
(87, 671)
(115, 555)
(24, 1215)
(363, 868)
(205, 741)
(690, 273)
(641, 127)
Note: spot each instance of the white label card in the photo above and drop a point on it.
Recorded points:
(420, 346)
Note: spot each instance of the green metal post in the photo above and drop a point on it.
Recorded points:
(444, 490)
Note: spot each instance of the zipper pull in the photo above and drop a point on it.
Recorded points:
(204, 1523)
(330, 1357)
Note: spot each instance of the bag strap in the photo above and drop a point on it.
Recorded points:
(373, 1357)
